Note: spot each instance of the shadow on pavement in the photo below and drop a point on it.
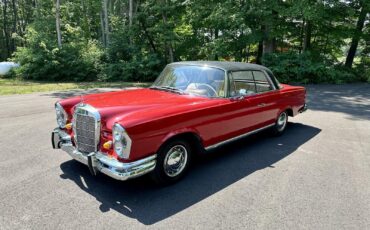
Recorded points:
(148, 203)
(78, 92)
(351, 99)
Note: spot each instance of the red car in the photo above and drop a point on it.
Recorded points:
(191, 108)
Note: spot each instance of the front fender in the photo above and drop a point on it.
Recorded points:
(180, 132)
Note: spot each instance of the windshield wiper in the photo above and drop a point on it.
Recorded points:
(168, 88)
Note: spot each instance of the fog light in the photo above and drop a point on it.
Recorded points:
(107, 145)
(69, 126)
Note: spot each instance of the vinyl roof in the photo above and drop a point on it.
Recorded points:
(229, 66)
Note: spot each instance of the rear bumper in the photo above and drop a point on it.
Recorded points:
(99, 162)
(303, 109)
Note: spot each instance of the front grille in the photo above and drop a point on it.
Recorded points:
(87, 129)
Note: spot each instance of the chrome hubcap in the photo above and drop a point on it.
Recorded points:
(281, 122)
(175, 160)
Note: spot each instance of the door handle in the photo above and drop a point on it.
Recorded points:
(261, 105)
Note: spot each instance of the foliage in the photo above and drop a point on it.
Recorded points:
(307, 68)
(301, 41)
(42, 60)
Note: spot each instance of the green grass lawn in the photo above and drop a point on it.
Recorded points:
(13, 86)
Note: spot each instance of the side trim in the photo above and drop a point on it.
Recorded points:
(238, 137)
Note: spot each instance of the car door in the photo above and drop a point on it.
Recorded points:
(254, 100)
(265, 99)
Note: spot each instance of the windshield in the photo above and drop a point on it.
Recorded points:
(192, 79)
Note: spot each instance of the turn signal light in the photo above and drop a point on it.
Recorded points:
(69, 126)
(107, 145)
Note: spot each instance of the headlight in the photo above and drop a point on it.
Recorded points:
(61, 115)
(121, 141)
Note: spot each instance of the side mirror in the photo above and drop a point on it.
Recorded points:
(237, 98)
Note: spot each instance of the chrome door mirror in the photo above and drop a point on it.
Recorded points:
(237, 98)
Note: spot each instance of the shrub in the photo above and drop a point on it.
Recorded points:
(41, 59)
(307, 68)
(129, 62)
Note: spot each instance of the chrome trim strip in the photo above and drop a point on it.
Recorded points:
(104, 164)
(238, 137)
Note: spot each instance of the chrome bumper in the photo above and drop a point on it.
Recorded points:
(99, 162)
(303, 109)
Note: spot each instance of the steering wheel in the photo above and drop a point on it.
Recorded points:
(210, 90)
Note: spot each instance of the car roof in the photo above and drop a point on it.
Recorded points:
(226, 65)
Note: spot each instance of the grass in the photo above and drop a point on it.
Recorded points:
(13, 86)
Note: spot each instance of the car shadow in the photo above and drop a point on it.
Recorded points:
(148, 203)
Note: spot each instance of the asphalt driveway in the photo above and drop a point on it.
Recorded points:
(315, 176)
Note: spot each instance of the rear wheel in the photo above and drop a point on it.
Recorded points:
(173, 160)
(281, 124)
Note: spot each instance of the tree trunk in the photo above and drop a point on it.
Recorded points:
(85, 25)
(168, 45)
(269, 43)
(356, 36)
(102, 29)
(57, 18)
(307, 36)
(269, 46)
(106, 22)
(5, 23)
(216, 37)
(301, 36)
(15, 22)
(130, 12)
(259, 52)
(260, 47)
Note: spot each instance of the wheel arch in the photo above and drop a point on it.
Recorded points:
(191, 137)
(289, 110)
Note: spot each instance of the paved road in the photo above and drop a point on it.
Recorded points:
(316, 176)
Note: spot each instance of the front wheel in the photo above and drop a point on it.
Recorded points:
(280, 124)
(173, 160)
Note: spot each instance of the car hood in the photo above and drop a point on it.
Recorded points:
(130, 107)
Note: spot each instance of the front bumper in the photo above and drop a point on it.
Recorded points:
(99, 162)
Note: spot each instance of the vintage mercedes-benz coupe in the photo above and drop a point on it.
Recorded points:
(191, 108)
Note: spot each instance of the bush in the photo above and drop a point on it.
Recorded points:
(131, 62)
(307, 68)
(41, 59)
(74, 62)
(145, 68)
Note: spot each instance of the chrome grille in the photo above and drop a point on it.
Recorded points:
(86, 128)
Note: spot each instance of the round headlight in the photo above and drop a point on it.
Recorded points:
(118, 147)
(117, 135)
(121, 141)
(61, 115)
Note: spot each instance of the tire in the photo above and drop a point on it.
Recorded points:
(173, 160)
(281, 124)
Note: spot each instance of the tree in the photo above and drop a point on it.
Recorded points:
(133, 39)
(105, 23)
(57, 18)
(357, 34)
(5, 28)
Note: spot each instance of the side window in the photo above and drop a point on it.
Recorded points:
(262, 83)
(242, 83)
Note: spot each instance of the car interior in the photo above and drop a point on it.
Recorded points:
(246, 83)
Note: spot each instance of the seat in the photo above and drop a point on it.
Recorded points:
(193, 89)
